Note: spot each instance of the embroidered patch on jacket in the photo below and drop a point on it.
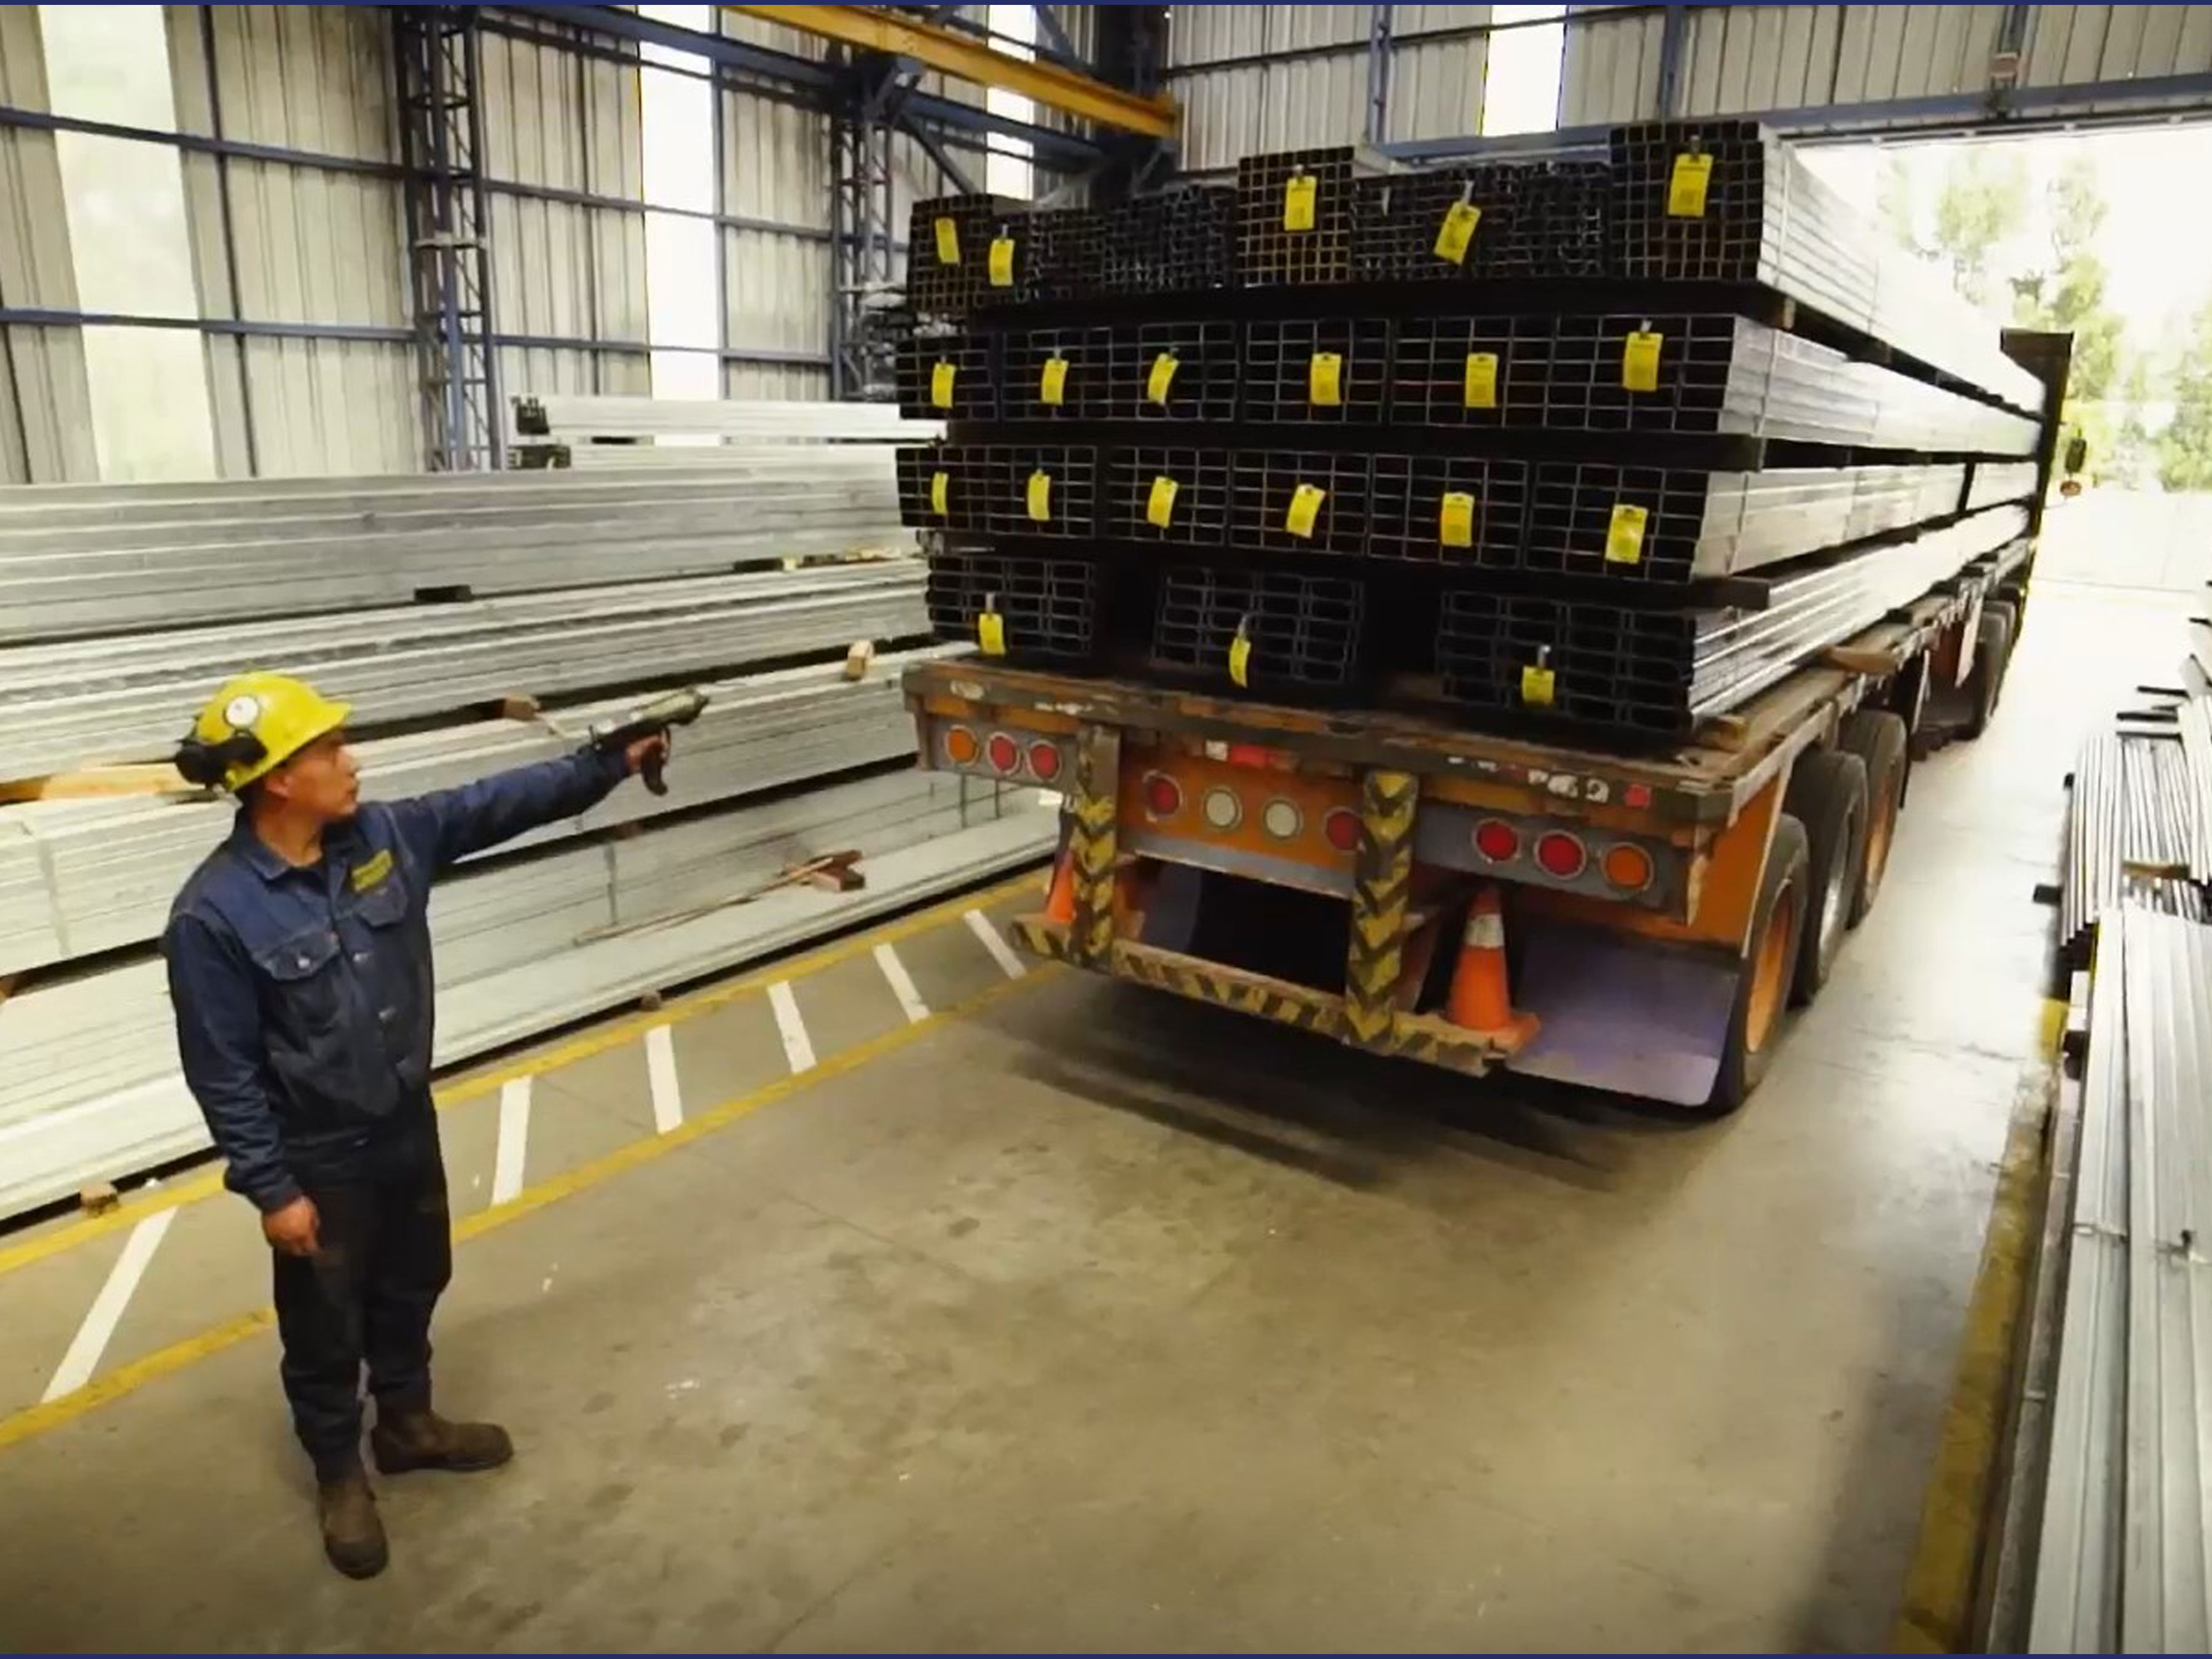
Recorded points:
(372, 871)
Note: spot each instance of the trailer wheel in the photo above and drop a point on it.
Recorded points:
(1992, 646)
(1878, 738)
(1828, 795)
(2010, 611)
(1762, 994)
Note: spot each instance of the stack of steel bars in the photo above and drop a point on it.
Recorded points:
(475, 623)
(1440, 429)
(2138, 820)
(2120, 1532)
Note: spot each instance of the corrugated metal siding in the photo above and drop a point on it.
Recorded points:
(2067, 46)
(1751, 60)
(777, 291)
(776, 296)
(777, 381)
(561, 270)
(1434, 86)
(313, 246)
(45, 407)
(1610, 69)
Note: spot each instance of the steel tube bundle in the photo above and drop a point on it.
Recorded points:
(79, 877)
(87, 559)
(576, 418)
(2124, 1564)
(2129, 829)
(128, 698)
(524, 943)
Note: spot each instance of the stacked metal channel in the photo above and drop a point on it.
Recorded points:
(97, 559)
(80, 877)
(2135, 827)
(1444, 427)
(2122, 1562)
(550, 598)
(523, 943)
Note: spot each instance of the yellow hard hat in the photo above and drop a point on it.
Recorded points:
(254, 724)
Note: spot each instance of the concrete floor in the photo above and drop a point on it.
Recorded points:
(1089, 1318)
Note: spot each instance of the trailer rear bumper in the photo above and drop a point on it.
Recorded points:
(1422, 1037)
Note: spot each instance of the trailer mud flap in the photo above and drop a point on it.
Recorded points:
(1622, 1014)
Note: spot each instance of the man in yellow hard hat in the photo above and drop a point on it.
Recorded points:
(299, 959)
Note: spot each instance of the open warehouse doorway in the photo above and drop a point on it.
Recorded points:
(2078, 231)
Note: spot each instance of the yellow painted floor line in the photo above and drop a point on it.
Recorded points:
(611, 1034)
(178, 1356)
(1937, 1615)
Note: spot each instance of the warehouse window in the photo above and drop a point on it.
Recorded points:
(1009, 167)
(682, 302)
(1522, 73)
(124, 202)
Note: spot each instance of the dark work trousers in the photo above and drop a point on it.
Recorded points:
(366, 1297)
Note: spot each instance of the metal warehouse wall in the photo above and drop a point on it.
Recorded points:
(45, 410)
(1739, 60)
(1318, 93)
(321, 242)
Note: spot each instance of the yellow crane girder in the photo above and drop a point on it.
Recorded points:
(874, 28)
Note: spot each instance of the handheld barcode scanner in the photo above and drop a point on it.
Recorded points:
(652, 720)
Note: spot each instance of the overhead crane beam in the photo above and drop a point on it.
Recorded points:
(875, 28)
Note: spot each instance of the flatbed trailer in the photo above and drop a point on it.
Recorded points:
(1636, 922)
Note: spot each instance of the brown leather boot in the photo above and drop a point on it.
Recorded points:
(353, 1533)
(423, 1440)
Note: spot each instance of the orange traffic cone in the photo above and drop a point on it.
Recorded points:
(1480, 1000)
(1060, 899)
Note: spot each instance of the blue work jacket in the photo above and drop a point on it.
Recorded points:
(303, 992)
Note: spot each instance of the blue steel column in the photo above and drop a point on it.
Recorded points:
(436, 52)
(1378, 72)
(1670, 62)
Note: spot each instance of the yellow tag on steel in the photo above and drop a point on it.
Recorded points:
(948, 242)
(940, 494)
(1159, 507)
(1162, 377)
(1299, 201)
(1455, 519)
(1325, 380)
(1624, 537)
(1639, 361)
(1305, 508)
(1001, 265)
(991, 634)
(940, 385)
(1052, 385)
(1240, 658)
(1040, 496)
(1457, 234)
(1536, 684)
(1482, 379)
(1686, 186)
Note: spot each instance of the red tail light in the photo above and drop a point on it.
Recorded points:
(1560, 854)
(1497, 840)
(1044, 761)
(1005, 754)
(1163, 795)
(1342, 826)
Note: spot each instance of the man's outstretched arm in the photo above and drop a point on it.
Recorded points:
(450, 825)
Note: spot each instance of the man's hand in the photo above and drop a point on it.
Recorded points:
(654, 748)
(294, 1230)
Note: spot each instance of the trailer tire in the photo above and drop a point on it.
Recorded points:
(1879, 740)
(1992, 646)
(2010, 613)
(1762, 992)
(1828, 795)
